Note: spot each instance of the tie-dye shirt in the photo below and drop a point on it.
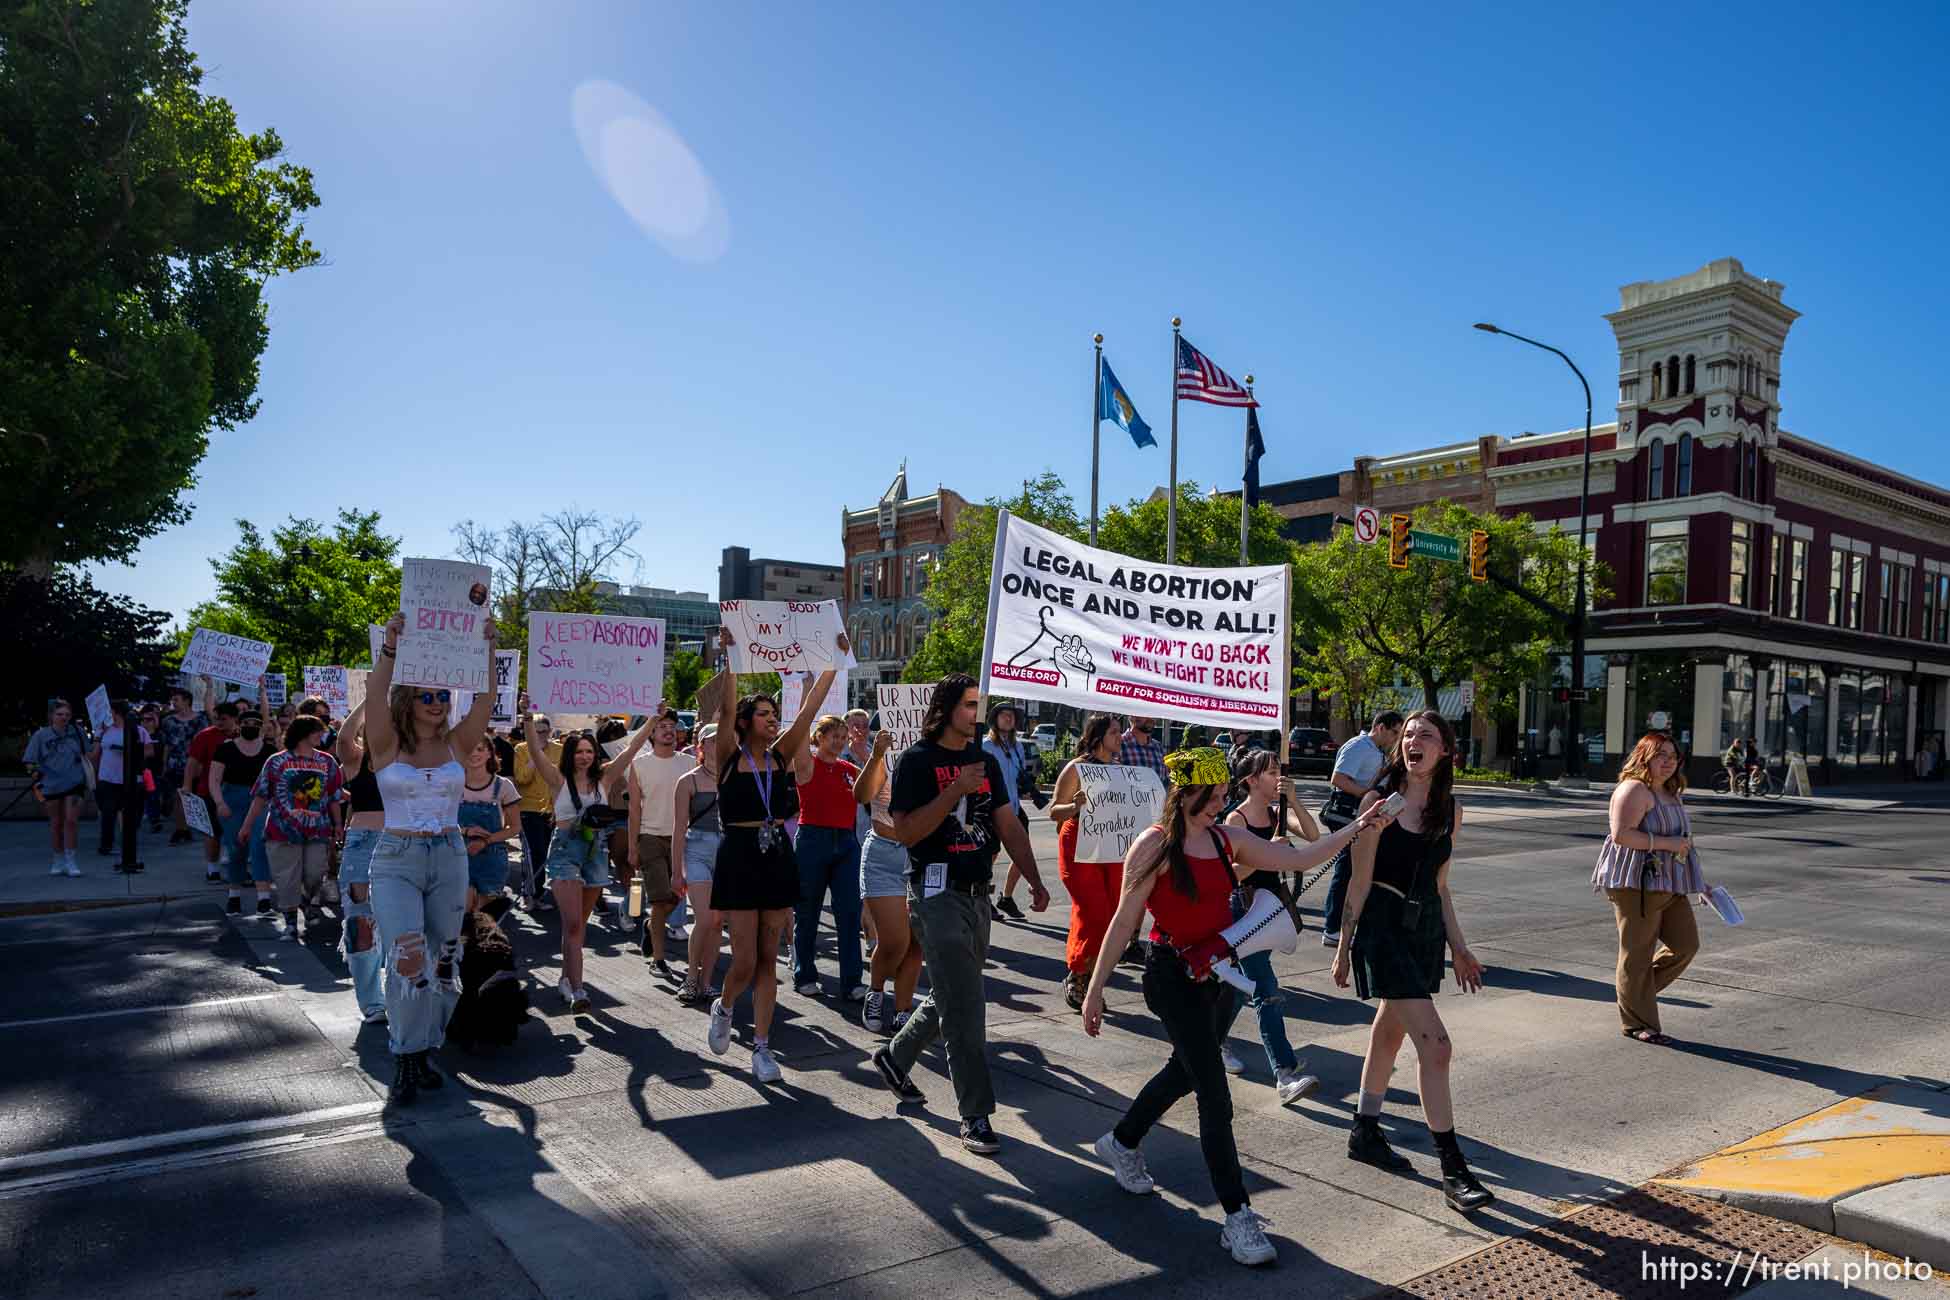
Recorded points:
(300, 790)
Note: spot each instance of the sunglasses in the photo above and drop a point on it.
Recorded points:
(435, 697)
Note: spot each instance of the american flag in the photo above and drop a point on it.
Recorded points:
(1201, 381)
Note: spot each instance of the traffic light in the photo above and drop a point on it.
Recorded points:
(1479, 556)
(1398, 541)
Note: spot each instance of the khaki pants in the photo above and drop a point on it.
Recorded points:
(1668, 920)
(297, 868)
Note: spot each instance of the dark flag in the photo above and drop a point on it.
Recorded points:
(1255, 448)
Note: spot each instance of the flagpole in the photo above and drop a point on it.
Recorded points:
(1096, 429)
(1171, 502)
(1244, 509)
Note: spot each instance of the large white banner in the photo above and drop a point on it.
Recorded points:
(225, 657)
(1118, 803)
(595, 663)
(1076, 625)
(903, 708)
(446, 605)
(784, 636)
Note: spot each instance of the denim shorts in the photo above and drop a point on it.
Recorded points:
(570, 857)
(355, 860)
(487, 871)
(700, 854)
(883, 868)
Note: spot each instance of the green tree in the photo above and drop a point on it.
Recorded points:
(141, 226)
(684, 672)
(958, 589)
(1430, 622)
(65, 637)
(1208, 531)
(310, 592)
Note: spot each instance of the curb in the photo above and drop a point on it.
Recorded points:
(1874, 1169)
(57, 906)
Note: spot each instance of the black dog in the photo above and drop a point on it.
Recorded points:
(493, 1000)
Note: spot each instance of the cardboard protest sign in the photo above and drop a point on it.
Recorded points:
(446, 606)
(331, 685)
(709, 697)
(784, 636)
(355, 687)
(275, 693)
(196, 814)
(1072, 624)
(595, 663)
(98, 715)
(903, 708)
(792, 692)
(507, 671)
(1119, 802)
(225, 657)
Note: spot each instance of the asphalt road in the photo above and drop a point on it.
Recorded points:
(189, 1108)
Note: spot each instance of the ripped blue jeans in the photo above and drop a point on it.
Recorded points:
(355, 877)
(419, 891)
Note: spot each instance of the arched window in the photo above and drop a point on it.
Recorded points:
(1658, 380)
(1684, 488)
(1750, 472)
(1655, 471)
(1689, 372)
(1672, 375)
(1743, 374)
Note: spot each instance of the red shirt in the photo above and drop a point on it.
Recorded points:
(203, 748)
(826, 798)
(1182, 921)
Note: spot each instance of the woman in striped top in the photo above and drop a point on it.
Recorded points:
(1648, 869)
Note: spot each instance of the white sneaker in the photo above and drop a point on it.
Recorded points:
(717, 1030)
(1127, 1164)
(566, 991)
(858, 993)
(1245, 1236)
(1330, 938)
(1230, 1059)
(809, 989)
(1292, 1085)
(765, 1067)
(874, 1017)
(676, 934)
(376, 1016)
(581, 1002)
(69, 867)
(60, 867)
(899, 1021)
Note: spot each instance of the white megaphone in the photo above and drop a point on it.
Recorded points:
(1266, 927)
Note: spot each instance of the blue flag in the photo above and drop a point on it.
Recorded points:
(1115, 406)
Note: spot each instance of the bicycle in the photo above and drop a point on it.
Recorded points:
(1758, 782)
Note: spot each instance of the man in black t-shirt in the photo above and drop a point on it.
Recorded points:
(946, 794)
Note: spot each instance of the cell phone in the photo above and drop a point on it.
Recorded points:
(1394, 804)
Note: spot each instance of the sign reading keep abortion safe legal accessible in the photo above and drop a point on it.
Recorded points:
(446, 608)
(1076, 625)
(595, 663)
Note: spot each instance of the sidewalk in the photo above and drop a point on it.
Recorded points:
(1874, 1169)
(26, 886)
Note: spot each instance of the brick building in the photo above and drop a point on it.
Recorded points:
(891, 549)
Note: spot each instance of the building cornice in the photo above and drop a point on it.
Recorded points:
(1810, 483)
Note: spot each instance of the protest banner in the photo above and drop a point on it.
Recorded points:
(445, 603)
(1072, 624)
(275, 692)
(225, 657)
(785, 636)
(903, 708)
(595, 663)
(98, 715)
(792, 692)
(197, 815)
(332, 685)
(1119, 802)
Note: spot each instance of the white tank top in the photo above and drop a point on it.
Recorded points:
(421, 798)
(565, 805)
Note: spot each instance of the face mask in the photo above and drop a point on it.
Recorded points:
(250, 730)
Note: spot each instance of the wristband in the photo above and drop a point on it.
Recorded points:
(389, 652)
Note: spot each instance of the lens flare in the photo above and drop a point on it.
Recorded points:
(651, 173)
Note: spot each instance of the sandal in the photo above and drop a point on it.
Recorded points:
(1651, 1036)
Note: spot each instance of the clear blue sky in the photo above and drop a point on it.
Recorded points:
(915, 217)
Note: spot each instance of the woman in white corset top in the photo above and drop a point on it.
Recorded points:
(419, 863)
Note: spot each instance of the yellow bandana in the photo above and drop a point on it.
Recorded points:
(1202, 766)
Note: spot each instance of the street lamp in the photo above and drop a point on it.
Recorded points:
(1574, 761)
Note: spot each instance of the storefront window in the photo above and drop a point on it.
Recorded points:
(1797, 712)
(1737, 700)
(1895, 717)
(1660, 697)
(1848, 718)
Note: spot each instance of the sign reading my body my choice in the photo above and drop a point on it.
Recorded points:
(784, 636)
(1076, 625)
(595, 663)
(446, 608)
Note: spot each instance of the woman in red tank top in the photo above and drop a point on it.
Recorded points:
(1182, 870)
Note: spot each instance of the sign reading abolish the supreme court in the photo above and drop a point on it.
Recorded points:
(1118, 803)
(1080, 626)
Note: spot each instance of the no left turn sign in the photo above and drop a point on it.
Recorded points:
(1367, 524)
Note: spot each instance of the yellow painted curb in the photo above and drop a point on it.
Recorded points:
(1852, 1146)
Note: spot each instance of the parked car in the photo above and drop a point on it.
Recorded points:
(1310, 749)
(1044, 737)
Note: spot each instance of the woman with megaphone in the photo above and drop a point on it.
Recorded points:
(1399, 918)
(1183, 870)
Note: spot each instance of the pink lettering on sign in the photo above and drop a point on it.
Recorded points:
(443, 620)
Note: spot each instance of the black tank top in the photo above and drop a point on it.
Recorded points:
(738, 797)
(363, 790)
(1408, 861)
(1262, 879)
